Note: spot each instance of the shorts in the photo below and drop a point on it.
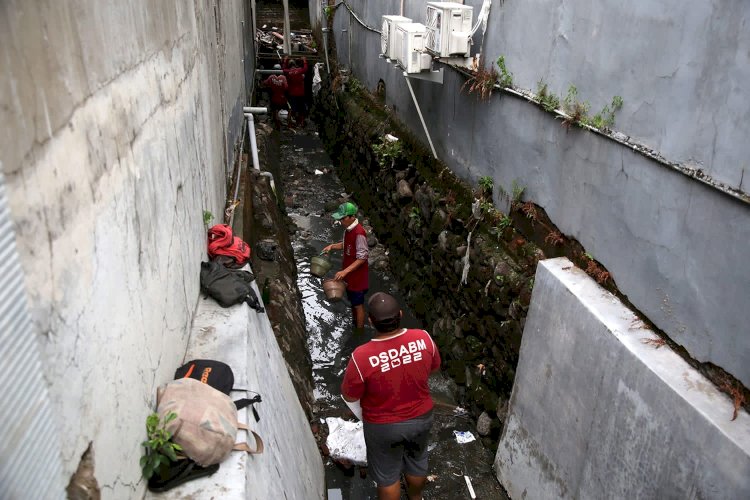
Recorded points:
(400, 446)
(297, 103)
(356, 298)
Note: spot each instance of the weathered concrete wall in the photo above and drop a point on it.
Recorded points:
(290, 465)
(675, 247)
(596, 412)
(115, 139)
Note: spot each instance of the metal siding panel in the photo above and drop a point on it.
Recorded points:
(30, 460)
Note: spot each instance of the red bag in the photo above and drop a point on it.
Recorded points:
(221, 241)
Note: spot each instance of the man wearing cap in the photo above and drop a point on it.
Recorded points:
(354, 268)
(385, 385)
(278, 86)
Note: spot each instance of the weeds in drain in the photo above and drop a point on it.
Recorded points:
(576, 110)
(416, 217)
(482, 82)
(505, 77)
(554, 238)
(354, 86)
(734, 390)
(656, 343)
(529, 210)
(549, 101)
(595, 271)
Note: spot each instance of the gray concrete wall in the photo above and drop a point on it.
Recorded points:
(118, 122)
(675, 247)
(598, 413)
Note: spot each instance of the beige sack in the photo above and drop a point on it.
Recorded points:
(206, 424)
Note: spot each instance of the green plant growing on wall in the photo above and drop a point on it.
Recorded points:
(486, 184)
(506, 77)
(207, 218)
(576, 110)
(354, 86)
(605, 119)
(387, 152)
(549, 101)
(482, 82)
(159, 448)
(518, 190)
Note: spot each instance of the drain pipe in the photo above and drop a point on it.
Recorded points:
(419, 112)
(253, 144)
(237, 180)
(325, 48)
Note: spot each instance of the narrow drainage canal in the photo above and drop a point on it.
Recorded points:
(310, 182)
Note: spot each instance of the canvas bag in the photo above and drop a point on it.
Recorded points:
(228, 286)
(206, 424)
(220, 376)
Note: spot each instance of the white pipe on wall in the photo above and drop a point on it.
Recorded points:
(419, 112)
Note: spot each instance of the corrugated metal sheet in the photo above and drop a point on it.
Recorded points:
(30, 460)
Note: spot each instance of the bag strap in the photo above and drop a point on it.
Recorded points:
(245, 447)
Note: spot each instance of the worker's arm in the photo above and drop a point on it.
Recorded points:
(352, 267)
(334, 246)
(351, 384)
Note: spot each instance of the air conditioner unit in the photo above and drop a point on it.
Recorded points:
(449, 29)
(409, 47)
(388, 34)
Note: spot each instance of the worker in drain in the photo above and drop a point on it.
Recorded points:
(295, 75)
(385, 385)
(354, 268)
(277, 86)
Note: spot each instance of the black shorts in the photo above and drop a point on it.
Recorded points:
(356, 298)
(297, 103)
(401, 446)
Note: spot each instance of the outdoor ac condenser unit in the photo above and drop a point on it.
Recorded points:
(409, 47)
(449, 29)
(388, 35)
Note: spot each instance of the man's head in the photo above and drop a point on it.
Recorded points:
(384, 311)
(346, 213)
(292, 63)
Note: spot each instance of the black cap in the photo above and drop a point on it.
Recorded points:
(383, 307)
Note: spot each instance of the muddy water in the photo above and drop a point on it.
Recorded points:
(331, 340)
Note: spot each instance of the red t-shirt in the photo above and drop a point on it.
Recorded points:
(296, 78)
(358, 280)
(278, 86)
(390, 376)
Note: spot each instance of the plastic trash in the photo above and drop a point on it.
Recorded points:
(346, 441)
(463, 437)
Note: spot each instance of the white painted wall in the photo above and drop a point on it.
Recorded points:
(114, 116)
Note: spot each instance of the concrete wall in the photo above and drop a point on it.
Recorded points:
(118, 119)
(675, 247)
(598, 413)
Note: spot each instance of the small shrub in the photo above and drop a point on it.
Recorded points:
(159, 449)
(506, 77)
(387, 152)
(554, 238)
(482, 82)
(486, 183)
(549, 101)
(576, 110)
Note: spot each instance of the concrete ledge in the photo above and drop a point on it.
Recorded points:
(597, 413)
(291, 466)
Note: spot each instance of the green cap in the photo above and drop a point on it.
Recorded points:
(345, 209)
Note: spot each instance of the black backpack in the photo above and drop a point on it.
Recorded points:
(219, 376)
(229, 286)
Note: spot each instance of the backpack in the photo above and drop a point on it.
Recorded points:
(228, 286)
(221, 241)
(206, 424)
(219, 376)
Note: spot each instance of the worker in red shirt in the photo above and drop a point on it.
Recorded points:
(277, 85)
(354, 267)
(295, 75)
(385, 385)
